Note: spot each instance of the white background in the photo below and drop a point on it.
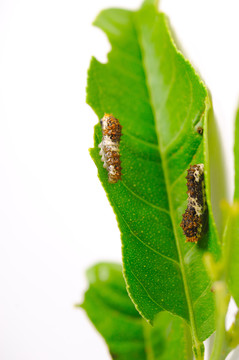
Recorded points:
(52, 205)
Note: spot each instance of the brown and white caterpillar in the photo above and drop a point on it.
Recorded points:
(111, 130)
(194, 216)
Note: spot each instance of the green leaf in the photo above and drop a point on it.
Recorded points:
(126, 333)
(232, 230)
(160, 102)
(236, 157)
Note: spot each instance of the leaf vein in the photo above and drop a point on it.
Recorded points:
(154, 146)
(145, 201)
(145, 289)
(180, 131)
(146, 245)
(203, 293)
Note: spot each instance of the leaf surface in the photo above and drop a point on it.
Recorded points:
(126, 333)
(160, 102)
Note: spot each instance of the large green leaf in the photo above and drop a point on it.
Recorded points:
(232, 230)
(160, 102)
(126, 333)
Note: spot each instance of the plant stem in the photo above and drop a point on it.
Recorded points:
(221, 346)
(148, 343)
(219, 351)
(198, 350)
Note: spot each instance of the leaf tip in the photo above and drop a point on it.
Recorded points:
(79, 306)
(151, 2)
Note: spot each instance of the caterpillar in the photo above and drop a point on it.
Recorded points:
(109, 147)
(200, 130)
(194, 216)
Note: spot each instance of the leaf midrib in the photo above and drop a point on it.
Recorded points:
(171, 208)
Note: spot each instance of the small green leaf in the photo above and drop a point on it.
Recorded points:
(126, 333)
(160, 102)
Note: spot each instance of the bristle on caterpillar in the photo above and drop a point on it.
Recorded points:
(194, 216)
(111, 131)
